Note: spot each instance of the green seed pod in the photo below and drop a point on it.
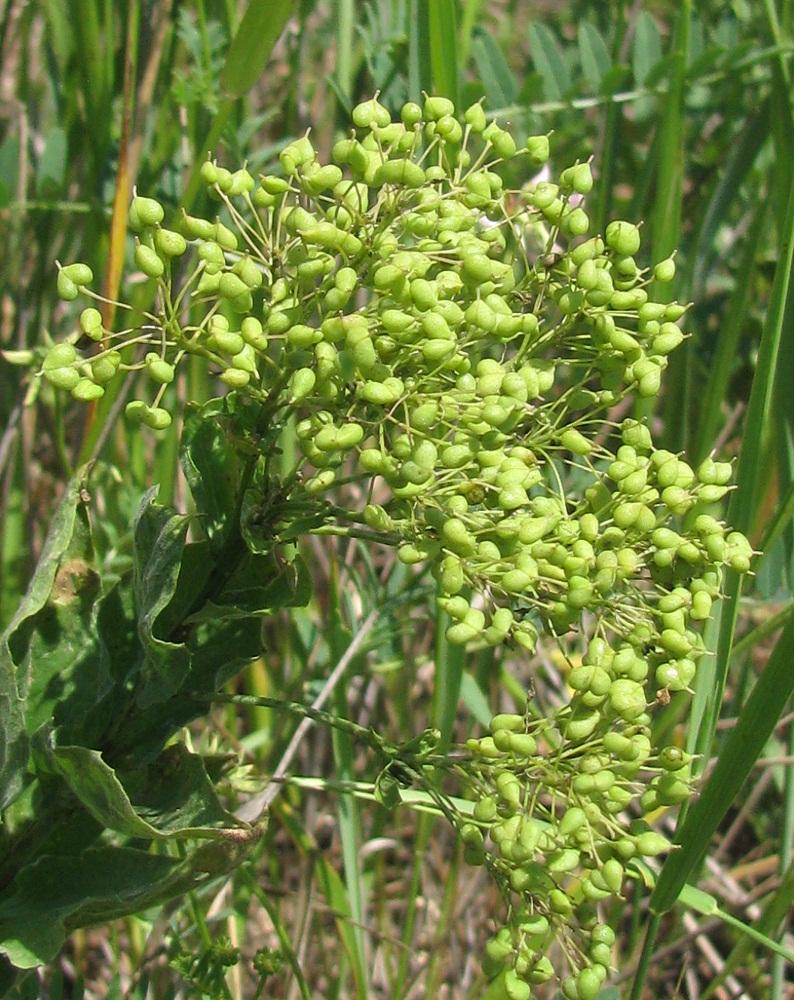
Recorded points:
(104, 367)
(148, 261)
(302, 384)
(197, 229)
(59, 356)
(370, 113)
(437, 107)
(230, 286)
(253, 334)
(91, 323)
(208, 284)
(574, 819)
(562, 861)
(224, 237)
(80, 274)
(158, 369)
(503, 143)
(623, 238)
(511, 722)
(169, 244)
(664, 271)
(409, 555)
(411, 114)
(403, 172)
(576, 223)
(86, 390)
(250, 272)
(627, 699)
(209, 172)
(651, 844)
(522, 745)
(301, 335)
(516, 988)
(226, 342)
(322, 179)
(145, 212)
(245, 360)
(668, 339)
(478, 269)
(588, 985)
(574, 441)
(62, 378)
(460, 633)
(323, 480)
(297, 154)
(153, 416)
(67, 289)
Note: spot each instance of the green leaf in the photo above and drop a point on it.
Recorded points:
(15, 679)
(387, 789)
(495, 74)
(593, 53)
(173, 796)
(252, 44)
(211, 467)
(57, 894)
(647, 46)
(159, 543)
(548, 60)
(48, 894)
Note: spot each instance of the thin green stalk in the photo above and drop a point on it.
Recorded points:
(666, 220)
(446, 693)
(779, 964)
(345, 33)
(421, 839)
(348, 808)
(278, 926)
(469, 17)
(645, 957)
(449, 661)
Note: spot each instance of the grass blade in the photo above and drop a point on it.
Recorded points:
(442, 45)
(743, 747)
(710, 416)
(420, 70)
(706, 905)
(345, 30)
(252, 44)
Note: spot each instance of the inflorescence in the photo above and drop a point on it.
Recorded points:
(460, 348)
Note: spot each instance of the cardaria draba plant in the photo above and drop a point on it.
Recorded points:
(457, 348)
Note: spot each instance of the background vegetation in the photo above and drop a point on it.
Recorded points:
(687, 110)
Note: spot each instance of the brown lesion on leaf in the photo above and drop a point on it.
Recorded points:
(73, 579)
